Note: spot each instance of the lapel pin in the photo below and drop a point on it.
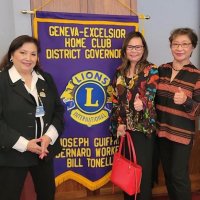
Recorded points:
(42, 94)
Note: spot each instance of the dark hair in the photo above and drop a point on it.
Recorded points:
(184, 31)
(16, 44)
(125, 62)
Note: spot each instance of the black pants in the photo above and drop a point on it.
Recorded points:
(12, 181)
(144, 152)
(175, 160)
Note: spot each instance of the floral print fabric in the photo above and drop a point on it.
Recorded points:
(124, 92)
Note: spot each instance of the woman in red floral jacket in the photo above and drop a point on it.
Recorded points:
(134, 88)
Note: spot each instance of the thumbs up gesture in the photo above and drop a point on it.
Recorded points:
(138, 105)
(180, 97)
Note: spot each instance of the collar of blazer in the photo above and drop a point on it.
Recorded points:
(20, 89)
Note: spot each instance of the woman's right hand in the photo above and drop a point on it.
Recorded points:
(121, 130)
(138, 105)
(34, 147)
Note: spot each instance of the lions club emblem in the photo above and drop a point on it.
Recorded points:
(87, 97)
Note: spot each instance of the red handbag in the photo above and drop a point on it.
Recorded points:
(126, 174)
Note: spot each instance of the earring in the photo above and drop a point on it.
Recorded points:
(11, 60)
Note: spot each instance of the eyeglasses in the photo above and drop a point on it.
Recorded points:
(183, 45)
(136, 47)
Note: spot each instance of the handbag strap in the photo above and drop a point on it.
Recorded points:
(131, 147)
(132, 154)
(121, 143)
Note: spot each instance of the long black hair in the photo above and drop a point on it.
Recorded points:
(18, 42)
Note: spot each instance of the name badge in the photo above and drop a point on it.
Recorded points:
(39, 111)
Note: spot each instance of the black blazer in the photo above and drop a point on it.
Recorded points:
(17, 118)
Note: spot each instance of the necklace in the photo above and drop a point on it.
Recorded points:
(177, 70)
(130, 82)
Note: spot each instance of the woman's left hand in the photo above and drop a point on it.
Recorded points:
(45, 141)
(121, 130)
(180, 97)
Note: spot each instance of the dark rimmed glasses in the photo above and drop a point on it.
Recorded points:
(136, 47)
(183, 45)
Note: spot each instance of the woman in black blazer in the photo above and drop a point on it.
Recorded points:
(31, 121)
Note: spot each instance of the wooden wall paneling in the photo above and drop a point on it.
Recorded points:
(112, 7)
(133, 6)
(71, 189)
(73, 6)
(195, 162)
(87, 6)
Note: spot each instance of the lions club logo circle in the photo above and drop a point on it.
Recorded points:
(87, 97)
